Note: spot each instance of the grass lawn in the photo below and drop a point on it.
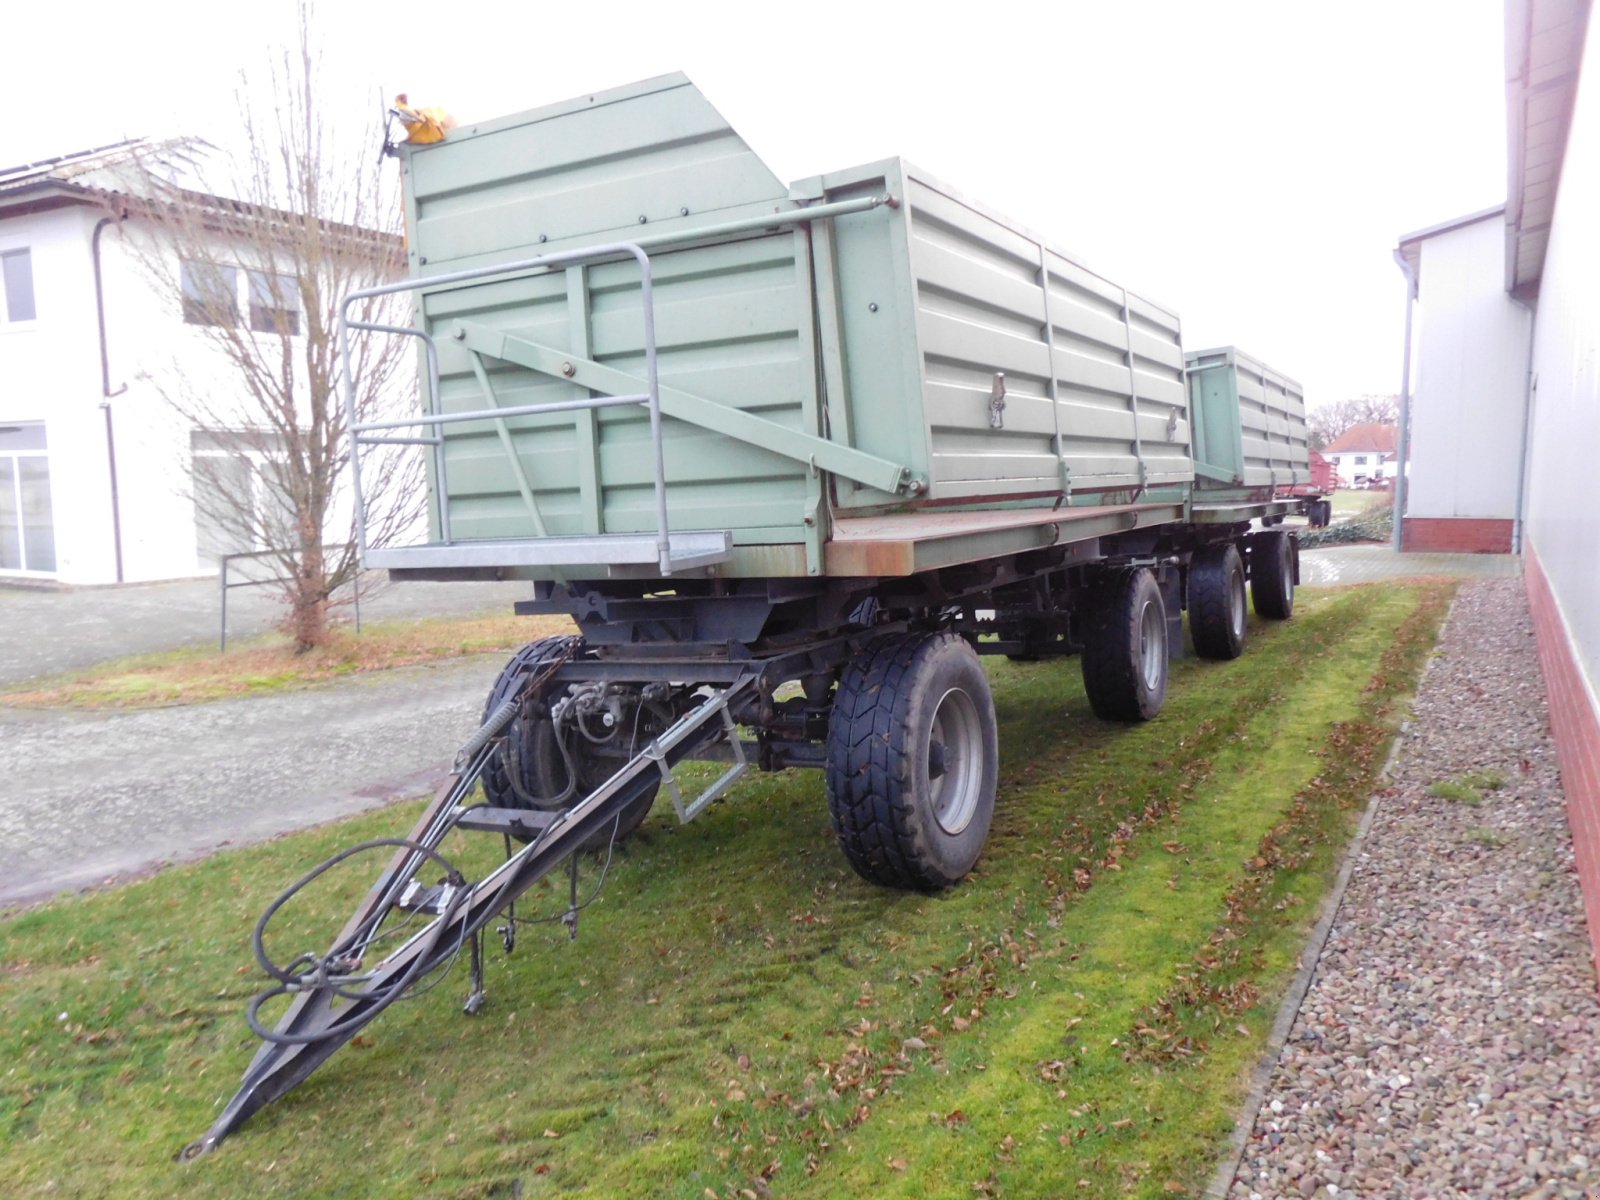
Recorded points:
(742, 1016)
(1350, 502)
(268, 664)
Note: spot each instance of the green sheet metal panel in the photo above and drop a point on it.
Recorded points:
(886, 330)
(938, 298)
(1249, 422)
(733, 319)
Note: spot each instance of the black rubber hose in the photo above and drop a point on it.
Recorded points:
(285, 974)
(394, 991)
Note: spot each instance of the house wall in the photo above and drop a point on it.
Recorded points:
(1347, 469)
(166, 379)
(1562, 535)
(51, 372)
(1467, 395)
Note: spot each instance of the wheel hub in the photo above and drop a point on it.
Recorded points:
(955, 760)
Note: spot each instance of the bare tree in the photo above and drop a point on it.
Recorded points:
(259, 261)
(1327, 422)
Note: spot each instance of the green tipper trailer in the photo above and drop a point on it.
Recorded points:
(792, 458)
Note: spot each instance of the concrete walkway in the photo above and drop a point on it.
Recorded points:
(1369, 563)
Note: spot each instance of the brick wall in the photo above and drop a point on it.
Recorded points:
(1456, 535)
(1576, 725)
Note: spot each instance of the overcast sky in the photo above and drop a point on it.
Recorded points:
(1250, 164)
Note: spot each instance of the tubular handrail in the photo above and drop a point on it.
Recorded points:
(436, 419)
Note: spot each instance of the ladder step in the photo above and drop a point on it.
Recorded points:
(425, 897)
(519, 822)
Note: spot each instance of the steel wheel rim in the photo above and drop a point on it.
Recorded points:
(956, 735)
(1286, 576)
(1152, 646)
(1236, 603)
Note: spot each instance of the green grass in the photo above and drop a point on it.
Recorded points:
(1468, 789)
(196, 674)
(742, 1015)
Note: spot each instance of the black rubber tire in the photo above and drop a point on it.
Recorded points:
(1216, 602)
(1272, 574)
(541, 768)
(898, 707)
(1125, 653)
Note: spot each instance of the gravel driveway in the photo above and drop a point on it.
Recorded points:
(1449, 1045)
(93, 795)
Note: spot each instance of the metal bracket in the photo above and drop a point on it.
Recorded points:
(997, 401)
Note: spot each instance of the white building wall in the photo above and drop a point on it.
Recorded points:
(1468, 389)
(50, 371)
(1561, 518)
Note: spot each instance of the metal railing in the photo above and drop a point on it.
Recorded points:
(436, 419)
(373, 433)
(225, 587)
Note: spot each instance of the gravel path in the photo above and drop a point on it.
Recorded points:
(92, 795)
(1450, 1041)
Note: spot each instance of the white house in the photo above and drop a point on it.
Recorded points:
(1359, 453)
(102, 480)
(1504, 403)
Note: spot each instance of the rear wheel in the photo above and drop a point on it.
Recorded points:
(1216, 602)
(531, 769)
(1272, 574)
(912, 761)
(1125, 647)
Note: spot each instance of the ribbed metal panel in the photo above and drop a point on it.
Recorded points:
(1250, 422)
(957, 351)
(1094, 400)
(733, 320)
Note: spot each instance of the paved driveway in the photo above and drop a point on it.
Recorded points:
(92, 795)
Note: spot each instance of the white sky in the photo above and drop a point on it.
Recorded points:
(1251, 164)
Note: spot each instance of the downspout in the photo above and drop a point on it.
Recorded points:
(1530, 385)
(106, 394)
(1401, 480)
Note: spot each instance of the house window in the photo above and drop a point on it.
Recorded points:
(210, 293)
(1361, 460)
(274, 303)
(239, 500)
(27, 527)
(16, 269)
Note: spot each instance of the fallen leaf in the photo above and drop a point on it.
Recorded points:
(551, 1133)
(913, 1043)
(898, 1164)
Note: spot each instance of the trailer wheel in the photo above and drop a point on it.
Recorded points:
(530, 749)
(912, 761)
(1272, 574)
(1125, 647)
(1216, 602)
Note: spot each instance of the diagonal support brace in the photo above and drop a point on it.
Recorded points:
(843, 461)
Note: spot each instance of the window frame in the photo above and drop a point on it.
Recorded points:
(24, 250)
(193, 305)
(16, 454)
(263, 316)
